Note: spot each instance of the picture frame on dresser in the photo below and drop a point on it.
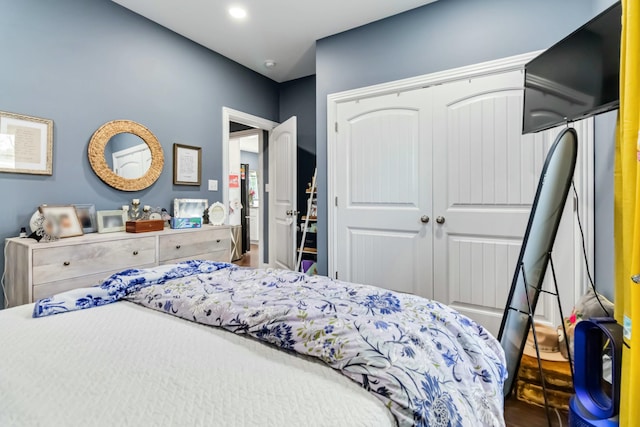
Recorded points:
(189, 208)
(111, 221)
(87, 216)
(65, 219)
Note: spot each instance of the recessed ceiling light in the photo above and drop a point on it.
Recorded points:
(269, 63)
(237, 12)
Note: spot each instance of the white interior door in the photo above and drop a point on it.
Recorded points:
(132, 162)
(383, 189)
(282, 195)
(486, 175)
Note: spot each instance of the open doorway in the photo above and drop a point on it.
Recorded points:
(276, 176)
(244, 193)
(237, 125)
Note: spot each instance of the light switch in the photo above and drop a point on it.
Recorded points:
(213, 185)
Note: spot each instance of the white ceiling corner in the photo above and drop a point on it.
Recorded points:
(284, 31)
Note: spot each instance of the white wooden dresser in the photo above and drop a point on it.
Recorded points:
(36, 270)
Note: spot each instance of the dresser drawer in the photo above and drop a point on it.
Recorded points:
(47, 289)
(60, 263)
(219, 256)
(189, 245)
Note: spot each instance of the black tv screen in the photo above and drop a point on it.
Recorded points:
(577, 77)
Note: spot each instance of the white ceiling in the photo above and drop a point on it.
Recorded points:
(284, 31)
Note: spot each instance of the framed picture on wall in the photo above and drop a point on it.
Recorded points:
(26, 144)
(187, 164)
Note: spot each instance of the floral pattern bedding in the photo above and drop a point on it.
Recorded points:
(429, 364)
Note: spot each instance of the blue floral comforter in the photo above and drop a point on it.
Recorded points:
(429, 364)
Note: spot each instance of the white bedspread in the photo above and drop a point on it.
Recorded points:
(111, 366)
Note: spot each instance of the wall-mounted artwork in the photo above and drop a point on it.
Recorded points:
(187, 164)
(26, 144)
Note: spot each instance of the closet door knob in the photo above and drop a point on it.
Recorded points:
(424, 218)
(440, 220)
(135, 252)
(66, 263)
(178, 246)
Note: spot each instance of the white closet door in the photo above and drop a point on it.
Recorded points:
(383, 189)
(486, 174)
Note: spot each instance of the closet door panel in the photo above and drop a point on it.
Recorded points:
(480, 196)
(488, 174)
(384, 192)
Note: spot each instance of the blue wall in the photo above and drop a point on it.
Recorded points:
(250, 158)
(85, 62)
(439, 36)
(298, 98)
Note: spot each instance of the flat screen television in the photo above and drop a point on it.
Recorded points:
(577, 77)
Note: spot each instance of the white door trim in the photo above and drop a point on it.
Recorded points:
(584, 180)
(483, 68)
(229, 115)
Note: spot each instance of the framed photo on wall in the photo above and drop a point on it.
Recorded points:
(187, 164)
(26, 144)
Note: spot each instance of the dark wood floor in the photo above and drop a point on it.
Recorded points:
(521, 414)
(250, 258)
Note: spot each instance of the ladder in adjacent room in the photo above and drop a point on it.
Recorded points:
(311, 215)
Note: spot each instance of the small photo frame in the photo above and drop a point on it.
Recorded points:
(65, 219)
(87, 217)
(111, 221)
(187, 164)
(217, 214)
(189, 208)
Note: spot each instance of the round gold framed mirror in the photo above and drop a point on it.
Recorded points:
(109, 174)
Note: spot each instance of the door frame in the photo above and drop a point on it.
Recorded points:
(231, 115)
(583, 178)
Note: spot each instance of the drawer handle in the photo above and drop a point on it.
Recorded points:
(218, 241)
(177, 246)
(66, 263)
(135, 252)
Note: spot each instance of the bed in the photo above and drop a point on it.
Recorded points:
(202, 343)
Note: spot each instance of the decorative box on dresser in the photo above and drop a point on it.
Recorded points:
(36, 270)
